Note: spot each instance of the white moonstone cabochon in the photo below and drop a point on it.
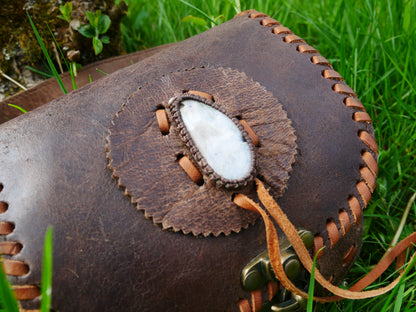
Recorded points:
(217, 138)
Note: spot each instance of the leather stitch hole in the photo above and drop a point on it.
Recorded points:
(190, 169)
(318, 243)
(370, 161)
(10, 248)
(332, 74)
(3, 206)
(320, 60)
(257, 15)
(343, 89)
(254, 138)
(348, 256)
(361, 117)
(333, 232)
(244, 13)
(368, 178)
(280, 30)
(354, 103)
(365, 192)
(355, 208)
(6, 228)
(268, 21)
(163, 121)
(293, 39)
(26, 292)
(368, 140)
(344, 220)
(15, 267)
(306, 48)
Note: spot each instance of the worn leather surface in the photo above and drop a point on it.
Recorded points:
(107, 255)
(165, 192)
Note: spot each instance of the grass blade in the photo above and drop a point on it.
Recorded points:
(200, 11)
(48, 58)
(394, 293)
(402, 221)
(399, 299)
(46, 286)
(18, 107)
(37, 71)
(7, 299)
(100, 71)
(312, 283)
(69, 66)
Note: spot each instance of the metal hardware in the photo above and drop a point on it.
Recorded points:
(259, 271)
(296, 303)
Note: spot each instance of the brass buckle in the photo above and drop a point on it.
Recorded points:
(258, 272)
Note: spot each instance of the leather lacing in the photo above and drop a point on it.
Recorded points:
(13, 267)
(256, 298)
(184, 161)
(195, 175)
(355, 292)
(369, 172)
(364, 187)
(187, 165)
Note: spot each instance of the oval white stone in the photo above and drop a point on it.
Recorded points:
(217, 138)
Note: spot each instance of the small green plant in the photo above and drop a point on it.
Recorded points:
(66, 11)
(48, 58)
(99, 24)
(71, 67)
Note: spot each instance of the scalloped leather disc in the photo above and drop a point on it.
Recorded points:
(145, 161)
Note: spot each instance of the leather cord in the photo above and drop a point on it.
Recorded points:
(289, 229)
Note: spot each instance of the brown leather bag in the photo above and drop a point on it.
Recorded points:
(141, 222)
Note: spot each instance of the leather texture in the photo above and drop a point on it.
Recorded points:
(107, 255)
(166, 193)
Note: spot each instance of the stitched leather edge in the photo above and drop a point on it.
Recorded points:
(368, 176)
(12, 267)
(368, 173)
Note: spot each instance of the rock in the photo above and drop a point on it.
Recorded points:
(217, 138)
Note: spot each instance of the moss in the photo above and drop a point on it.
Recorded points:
(16, 35)
(18, 42)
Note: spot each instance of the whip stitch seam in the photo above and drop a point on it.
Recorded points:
(368, 173)
(11, 267)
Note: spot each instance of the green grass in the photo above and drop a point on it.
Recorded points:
(48, 58)
(311, 288)
(8, 302)
(372, 44)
